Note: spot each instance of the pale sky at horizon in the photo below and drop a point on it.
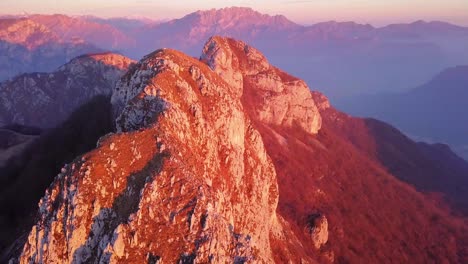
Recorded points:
(376, 12)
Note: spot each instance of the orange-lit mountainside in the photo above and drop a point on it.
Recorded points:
(228, 159)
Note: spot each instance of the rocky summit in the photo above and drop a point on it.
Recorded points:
(224, 160)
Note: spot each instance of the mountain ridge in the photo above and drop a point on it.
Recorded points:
(228, 177)
(56, 94)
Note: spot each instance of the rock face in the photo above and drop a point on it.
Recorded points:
(317, 228)
(188, 179)
(46, 99)
(276, 97)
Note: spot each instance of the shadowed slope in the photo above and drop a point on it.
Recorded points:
(46, 99)
(31, 172)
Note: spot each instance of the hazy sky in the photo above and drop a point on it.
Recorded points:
(377, 12)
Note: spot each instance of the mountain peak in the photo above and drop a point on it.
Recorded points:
(242, 16)
(233, 11)
(425, 27)
(26, 32)
(286, 99)
(59, 93)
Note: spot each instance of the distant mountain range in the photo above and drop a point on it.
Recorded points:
(27, 46)
(432, 112)
(338, 58)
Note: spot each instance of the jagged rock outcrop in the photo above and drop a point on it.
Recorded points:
(276, 97)
(317, 228)
(188, 179)
(46, 99)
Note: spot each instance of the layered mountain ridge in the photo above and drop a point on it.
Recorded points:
(229, 159)
(46, 99)
(29, 46)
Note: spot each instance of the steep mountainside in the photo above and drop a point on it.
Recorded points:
(228, 159)
(431, 112)
(46, 99)
(325, 176)
(191, 31)
(431, 168)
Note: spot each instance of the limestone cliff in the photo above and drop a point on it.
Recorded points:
(276, 97)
